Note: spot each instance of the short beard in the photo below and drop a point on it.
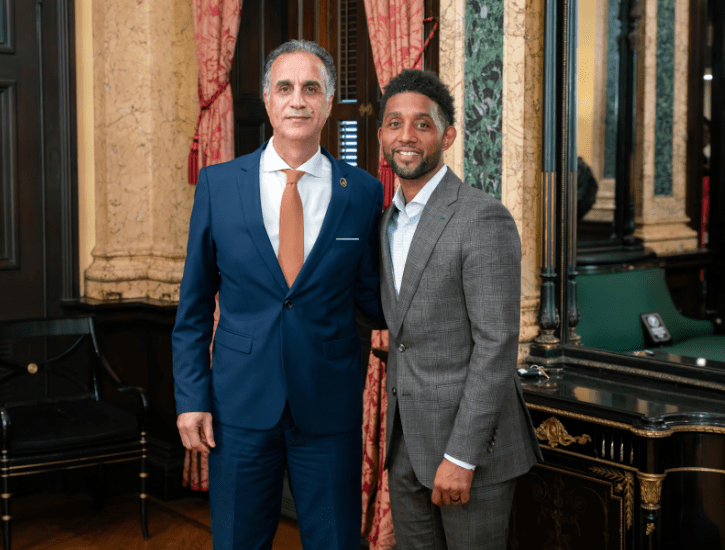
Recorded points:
(427, 164)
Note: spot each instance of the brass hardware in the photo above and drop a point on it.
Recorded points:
(695, 469)
(143, 474)
(143, 495)
(554, 431)
(6, 495)
(622, 426)
(650, 528)
(650, 486)
(32, 368)
(7, 518)
(366, 110)
(621, 451)
(625, 483)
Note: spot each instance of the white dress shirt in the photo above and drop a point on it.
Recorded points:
(401, 229)
(315, 188)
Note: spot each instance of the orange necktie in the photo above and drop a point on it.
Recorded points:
(291, 228)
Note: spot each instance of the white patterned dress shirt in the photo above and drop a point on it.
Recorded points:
(401, 229)
(315, 188)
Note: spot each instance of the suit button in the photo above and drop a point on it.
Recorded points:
(394, 391)
(287, 304)
(401, 348)
(490, 448)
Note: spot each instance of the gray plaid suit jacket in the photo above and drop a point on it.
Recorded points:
(454, 330)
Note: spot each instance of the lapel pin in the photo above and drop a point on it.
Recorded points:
(343, 182)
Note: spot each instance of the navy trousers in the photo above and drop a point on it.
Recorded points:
(246, 473)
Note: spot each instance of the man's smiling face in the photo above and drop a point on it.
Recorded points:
(297, 102)
(410, 137)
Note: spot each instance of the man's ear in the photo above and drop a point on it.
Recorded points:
(449, 136)
(266, 101)
(380, 136)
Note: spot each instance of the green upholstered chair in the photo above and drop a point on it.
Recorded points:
(610, 305)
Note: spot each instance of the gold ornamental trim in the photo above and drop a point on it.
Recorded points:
(650, 486)
(625, 484)
(555, 433)
(601, 421)
(75, 460)
(695, 469)
(646, 373)
(7, 518)
(74, 467)
(700, 429)
(589, 458)
(650, 529)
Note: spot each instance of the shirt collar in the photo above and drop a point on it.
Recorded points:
(424, 194)
(272, 162)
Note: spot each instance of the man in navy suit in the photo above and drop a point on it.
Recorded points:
(288, 237)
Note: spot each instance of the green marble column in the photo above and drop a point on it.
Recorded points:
(665, 96)
(483, 99)
(614, 28)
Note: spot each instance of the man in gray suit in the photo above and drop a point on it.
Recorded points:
(459, 432)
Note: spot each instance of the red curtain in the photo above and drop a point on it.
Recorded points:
(216, 24)
(396, 35)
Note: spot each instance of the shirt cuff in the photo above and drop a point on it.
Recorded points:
(460, 463)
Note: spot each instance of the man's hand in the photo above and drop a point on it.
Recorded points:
(452, 484)
(195, 431)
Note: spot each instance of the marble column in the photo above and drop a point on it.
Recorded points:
(518, 104)
(452, 69)
(144, 91)
(660, 172)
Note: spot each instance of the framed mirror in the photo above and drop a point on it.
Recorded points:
(626, 89)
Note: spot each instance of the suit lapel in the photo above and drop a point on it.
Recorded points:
(436, 215)
(387, 284)
(248, 185)
(333, 217)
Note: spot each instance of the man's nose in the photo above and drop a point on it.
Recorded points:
(408, 134)
(298, 98)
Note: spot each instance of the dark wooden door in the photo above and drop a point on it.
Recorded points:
(38, 241)
(21, 227)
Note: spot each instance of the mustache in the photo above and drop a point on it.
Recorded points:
(298, 112)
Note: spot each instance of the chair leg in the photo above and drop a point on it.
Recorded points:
(144, 496)
(6, 502)
(6, 523)
(99, 496)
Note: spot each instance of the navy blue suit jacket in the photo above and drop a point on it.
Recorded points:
(275, 343)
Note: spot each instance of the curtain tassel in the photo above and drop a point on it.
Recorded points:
(388, 179)
(193, 164)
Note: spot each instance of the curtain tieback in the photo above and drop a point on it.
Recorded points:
(204, 105)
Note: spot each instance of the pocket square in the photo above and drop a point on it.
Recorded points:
(347, 239)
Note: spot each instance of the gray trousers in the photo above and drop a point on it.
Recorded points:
(480, 524)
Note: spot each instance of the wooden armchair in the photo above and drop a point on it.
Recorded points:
(54, 411)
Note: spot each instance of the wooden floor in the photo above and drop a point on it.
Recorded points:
(60, 522)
